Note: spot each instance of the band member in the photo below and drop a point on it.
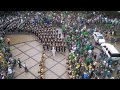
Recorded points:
(51, 39)
(51, 45)
(32, 30)
(37, 32)
(44, 38)
(47, 38)
(48, 31)
(44, 46)
(59, 46)
(40, 37)
(54, 44)
(60, 40)
(53, 51)
(56, 36)
(64, 47)
(47, 46)
(62, 44)
(57, 31)
(59, 35)
(54, 31)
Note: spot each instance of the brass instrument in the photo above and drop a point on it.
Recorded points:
(42, 71)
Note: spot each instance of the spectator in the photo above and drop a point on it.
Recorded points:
(19, 62)
(25, 67)
(8, 41)
(115, 41)
(53, 51)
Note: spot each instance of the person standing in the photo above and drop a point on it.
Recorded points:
(59, 46)
(44, 46)
(3, 34)
(53, 51)
(47, 46)
(64, 47)
(25, 67)
(112, 33)
(115, 41)
(118, 69)
(8, 41)
(19, 62)
(51, 45)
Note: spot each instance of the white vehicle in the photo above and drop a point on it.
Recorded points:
(111, 51)
(98, 37)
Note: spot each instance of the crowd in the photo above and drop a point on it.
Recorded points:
(83, 62)
(34, 19)
(7, 62)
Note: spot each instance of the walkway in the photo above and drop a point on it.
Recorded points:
(31, 52)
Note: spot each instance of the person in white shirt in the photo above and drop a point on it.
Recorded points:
(9, 70)
(104, 63)
(3, 77)
(25, 67)
(53, 51)
(19, 62)
(90, 52)
(112, 33)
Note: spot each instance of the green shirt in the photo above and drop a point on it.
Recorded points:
(110, 62)
(9, 49)
(87, 47)
(85, 33)
(82, 33)
(87, 60)
(68, 39)
(109, 26)
(63, 28)
(75, 37)
(71, 56)
(73, 72)
(78, 45)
